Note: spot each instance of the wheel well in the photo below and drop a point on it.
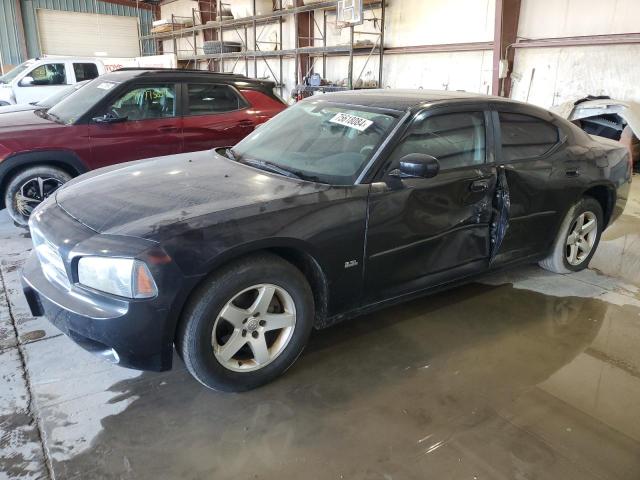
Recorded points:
(299, 259)
(312, 270)
(13, 171)
(605, 197)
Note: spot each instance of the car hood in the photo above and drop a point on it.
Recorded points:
(23, 107)
(629, 111)
(145, 197)
(24, 121)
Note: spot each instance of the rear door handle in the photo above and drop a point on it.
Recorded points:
(572, 172)
(247, 123)
(168, 129)
(479, 186)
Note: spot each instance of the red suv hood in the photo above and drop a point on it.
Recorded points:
(28, 132)
(10, 123)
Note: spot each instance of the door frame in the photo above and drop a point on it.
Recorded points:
(381, 183)
(375, 172)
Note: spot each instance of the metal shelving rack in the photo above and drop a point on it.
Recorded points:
(241, 27)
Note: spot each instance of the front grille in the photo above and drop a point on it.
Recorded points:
(50, 259)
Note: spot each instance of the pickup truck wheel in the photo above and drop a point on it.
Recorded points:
(29, 187)
(247, 324)
(577, 239)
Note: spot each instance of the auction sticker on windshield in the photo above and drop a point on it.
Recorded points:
(106, 85)
(351, 121)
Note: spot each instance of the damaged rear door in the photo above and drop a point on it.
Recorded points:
(527, 145)
(426, 231)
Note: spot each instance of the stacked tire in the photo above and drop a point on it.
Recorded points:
(214, 47)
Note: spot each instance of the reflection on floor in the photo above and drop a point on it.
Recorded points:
(522, 375)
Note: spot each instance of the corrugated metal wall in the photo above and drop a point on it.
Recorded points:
(9, 37)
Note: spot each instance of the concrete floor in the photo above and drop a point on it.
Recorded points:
(523, 375)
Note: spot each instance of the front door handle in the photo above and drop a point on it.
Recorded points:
(168, 129)
(479, 186)
(572, 172)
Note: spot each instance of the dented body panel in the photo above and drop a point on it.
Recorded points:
(379, 241)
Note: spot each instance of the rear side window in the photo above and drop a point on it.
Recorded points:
(49, 74)
(526, 137)
(207, 99)
(85, 71)
(455, 139)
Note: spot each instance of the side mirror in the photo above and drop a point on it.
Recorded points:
(26, 82)
(417, 165)
(108, 118)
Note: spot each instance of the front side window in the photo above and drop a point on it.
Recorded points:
(455, 139)
(323, 141)
(146, 103)
(85, 71)
(526, 137)
(49, 74)
(206, 99)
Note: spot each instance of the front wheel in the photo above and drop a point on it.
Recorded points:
(577, 239)
(29, 188)
(247, 324)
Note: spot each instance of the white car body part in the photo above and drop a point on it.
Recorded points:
(19, 87)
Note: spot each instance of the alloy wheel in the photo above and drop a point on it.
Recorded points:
(254, 328)
(33, 192)
(581, 239)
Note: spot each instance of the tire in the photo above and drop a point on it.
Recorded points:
(561, 259)
(24, 192)
(204, 354)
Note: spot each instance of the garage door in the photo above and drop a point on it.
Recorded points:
(87, 34)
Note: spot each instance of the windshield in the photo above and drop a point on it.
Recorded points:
(51, 100)
(74, 106)
(8, 77)
(326, 142)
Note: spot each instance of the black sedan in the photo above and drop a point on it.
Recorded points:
(340, 205)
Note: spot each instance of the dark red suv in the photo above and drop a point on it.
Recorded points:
(125, 115)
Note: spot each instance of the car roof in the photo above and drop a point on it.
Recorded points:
(403, 99)
(125, 74)
(64, 58)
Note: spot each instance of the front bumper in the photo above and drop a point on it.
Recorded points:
(130, 333)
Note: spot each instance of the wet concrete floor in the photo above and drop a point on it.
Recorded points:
(522, 375)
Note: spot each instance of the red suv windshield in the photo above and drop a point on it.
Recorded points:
(70, 109)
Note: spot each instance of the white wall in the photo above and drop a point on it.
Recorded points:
(563, 74)
(423, 22)
(571, 18)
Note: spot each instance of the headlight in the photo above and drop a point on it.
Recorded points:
(125, 277)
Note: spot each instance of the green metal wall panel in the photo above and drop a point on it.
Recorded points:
(9, 38)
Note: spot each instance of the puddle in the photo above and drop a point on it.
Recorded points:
(360, 398)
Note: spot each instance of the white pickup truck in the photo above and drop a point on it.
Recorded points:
(40, 78)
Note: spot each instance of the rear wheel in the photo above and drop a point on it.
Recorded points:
(247, 324)
(577, 239)
(29, 188)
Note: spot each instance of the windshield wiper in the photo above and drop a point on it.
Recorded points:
(54, 117)
(229, 153)
(271, 167)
